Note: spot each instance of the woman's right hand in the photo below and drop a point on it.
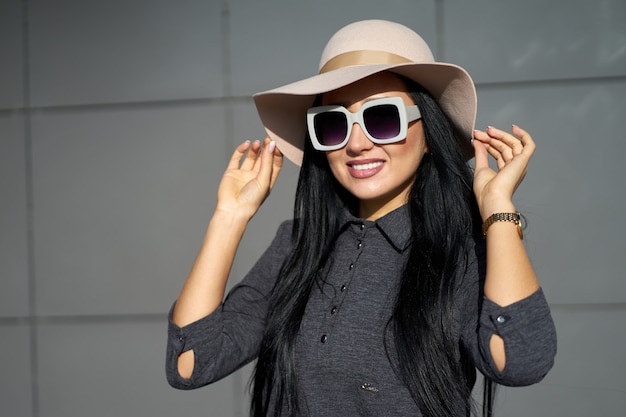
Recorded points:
(249, 178)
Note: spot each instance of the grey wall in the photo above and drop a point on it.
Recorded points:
(116, 119)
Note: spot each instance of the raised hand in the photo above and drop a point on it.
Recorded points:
(249, 178)
(510, 276)
(512, 152)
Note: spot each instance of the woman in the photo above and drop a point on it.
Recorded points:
(401, 273)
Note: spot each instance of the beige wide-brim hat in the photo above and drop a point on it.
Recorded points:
(357, 51)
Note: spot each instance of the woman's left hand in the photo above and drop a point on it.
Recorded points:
(512, 152)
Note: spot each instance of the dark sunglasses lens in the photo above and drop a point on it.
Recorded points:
(330, 128)
(382, 122)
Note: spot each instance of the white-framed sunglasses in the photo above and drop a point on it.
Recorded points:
(384, 120)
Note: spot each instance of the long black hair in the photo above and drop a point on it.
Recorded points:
(444, 217)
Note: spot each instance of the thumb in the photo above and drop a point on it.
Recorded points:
(481, 155)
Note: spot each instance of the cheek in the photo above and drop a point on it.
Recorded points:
(334, 161)
(419, 149)
(417, 138)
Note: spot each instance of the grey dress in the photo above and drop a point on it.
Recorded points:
(344, 353)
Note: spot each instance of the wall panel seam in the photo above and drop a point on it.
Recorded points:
(30, 201)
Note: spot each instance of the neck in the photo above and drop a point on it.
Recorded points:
(371, 210)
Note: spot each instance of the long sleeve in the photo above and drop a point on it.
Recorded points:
(230, 337)
(526, 327)
(529, 338)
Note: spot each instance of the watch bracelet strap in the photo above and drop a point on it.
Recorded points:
(501, 217)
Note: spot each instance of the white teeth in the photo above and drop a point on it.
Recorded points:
(371, 165)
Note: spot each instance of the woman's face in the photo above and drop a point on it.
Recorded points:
(380, 176)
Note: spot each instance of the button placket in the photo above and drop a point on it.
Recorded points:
(360, 234)
(335, 303)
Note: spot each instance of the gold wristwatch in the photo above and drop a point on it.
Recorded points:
(504, 217)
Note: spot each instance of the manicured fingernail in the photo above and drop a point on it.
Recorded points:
(271, 147)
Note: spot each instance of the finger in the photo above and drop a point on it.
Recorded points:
(239, 152)
(485, 141)
(517, 142)
(480, 151)
(266, 163)
(251, 156)
(267, 142)
(490, 145)
(521, 145)
(497, 155)
(506, 144)
(481, 136)
(277, 164)
(526, 140)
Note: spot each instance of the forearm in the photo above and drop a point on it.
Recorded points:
(204, 288)
(247, 181)
(510, 276)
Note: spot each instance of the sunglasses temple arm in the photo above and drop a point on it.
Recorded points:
(413, 113)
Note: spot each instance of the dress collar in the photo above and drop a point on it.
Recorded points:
(395, 226)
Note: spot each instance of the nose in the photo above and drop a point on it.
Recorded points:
(358, 141)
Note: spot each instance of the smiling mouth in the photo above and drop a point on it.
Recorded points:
(363, 167)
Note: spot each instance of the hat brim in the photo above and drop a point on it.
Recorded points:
(283, 110)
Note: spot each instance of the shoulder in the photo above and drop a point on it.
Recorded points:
(284, 233)
(285, 228)
(280, 246)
